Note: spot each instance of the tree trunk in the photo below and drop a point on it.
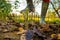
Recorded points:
(30, 5)
(44, 11)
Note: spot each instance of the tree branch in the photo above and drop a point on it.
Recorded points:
(55, 9)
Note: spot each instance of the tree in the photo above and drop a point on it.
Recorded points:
(45, 5)
(30, 8)
(30, 5)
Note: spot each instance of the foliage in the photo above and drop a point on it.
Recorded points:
(5, 8)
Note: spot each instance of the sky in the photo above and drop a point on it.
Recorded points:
(22, 5)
